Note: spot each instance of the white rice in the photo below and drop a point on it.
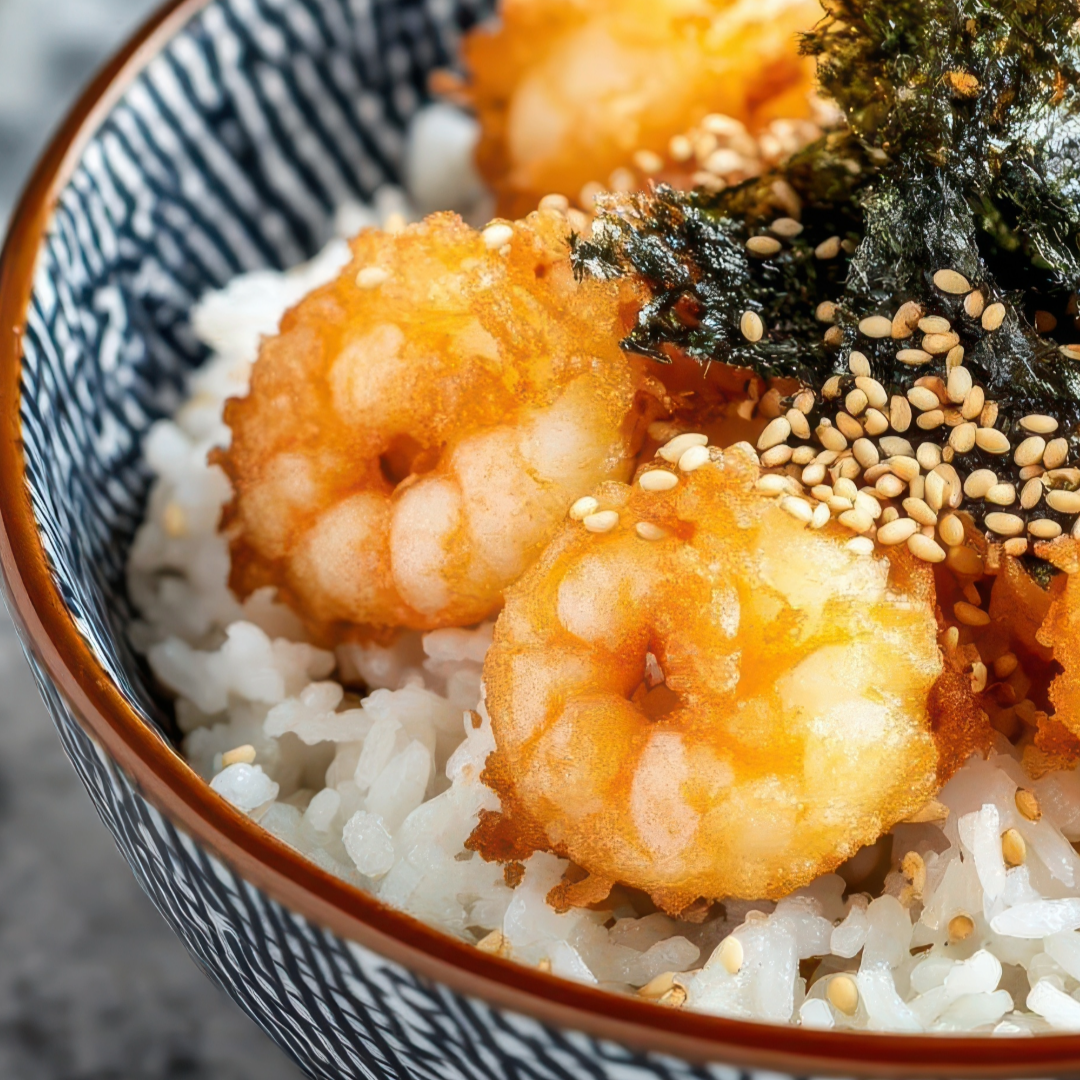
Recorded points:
(383, 791)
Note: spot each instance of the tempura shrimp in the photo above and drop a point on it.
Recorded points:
(697, 695)
(416, 432)
(570, 91)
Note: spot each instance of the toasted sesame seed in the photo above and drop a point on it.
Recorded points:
(1045, 322)
(969, 614)
(1044, 529)
(993, 317)
(899, 413)
(697, 456)
(876, 326)
(1015, 547)
(805, 401)
(813, 474)
(787, 227)
(649, 162)
(1039, 424)
(875, 422)
(890, 486)
(866, 453)
(897, 532)
(936, 489)
(1065, 502)
(497, 235)
(678, 446)
(822, 516)
(874, 391)
(861, 545)
(772, 484)
(954, 357)
(940, 343)
(959, 385)
(848, 468)
(658, 480)
(1013, 848)
(951, 530)
(978, 677)
(833, 337)
(855, 402)
(992, 441)
(825, 312)
(776, 432)
(496, 944)
(1001, 495)
(961, 927)
(965, 561)
(929, 421)
(858, 364)
(648, 531)
(849, 427)
(730, 954)
(371, 277)
(1056, 453)
(1030, 451)
(843, 994)
(962, 438)
(1069, 478)
(799, 425)
(583, 508)
(1005, 524)
(830, 438)
(914, 357)
(973, 403)
(1005, 665)
(751, 326)
(922, 547)
(657, 987)
(828, 249)
(601, 522)
(935, 324)
(240, 755)
(763, 246)
(831, 388)
(907, 468)
(928, 455)
(1071, 351)
(1027, 803)
(906, 319)
(974, 303)
(949, 281)
(873, 473)
(1030, 472)
(555, 202)
(923, 399)
(858, 521)
(797, 508)
(1031, 494)
(989, 416)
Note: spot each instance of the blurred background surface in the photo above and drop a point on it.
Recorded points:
(93, 985)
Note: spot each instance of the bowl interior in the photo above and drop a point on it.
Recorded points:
(229, 152)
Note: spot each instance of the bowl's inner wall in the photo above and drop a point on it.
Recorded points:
(230, 152)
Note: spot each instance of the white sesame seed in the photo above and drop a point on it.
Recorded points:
(973, 304)
(848, 469)
(914, 357)
(906, 319)
(1031, 494)
(678, 446)
(858, 365)
(992, 441)
(858, 521)
(558, 203)
(923, 398)
(658, 480)
(846, 489)
(1015, 547)
(876, 326)
(979, 483)
(372, 277)
(813, 474)
(241, 755)
(681, 148)
(821, 518)
(988, 417)
(1065, 502)
(1044, 529)
(787, 227)
(831, 387)
(929, 421)
(583, 508)
(855, 402)
(825, 312)
(875, 422)
(919, 510)
(1001, 495)
(1030, 451)
(959, 385)
(926, 549)
(797, 508)
(763, 246)
(954, 357)
(936, 490)
(890, 486)
(828, 249)
(866, 502)
(897, 532)
(849, 427)
(949, 281)
(895, 446)
(648, 162)
(805, 401)
(951, 530)
(969, 614)
(751, 326)
(776, 456)
(497, 235)
(993, 317)
(648, 531)
(935, 324)
(776, 432)
(866, 453)
(830, 438)
(928, 455)
(772, 484)
(907, 468)
(1005, 524)
(962, 438)
(899, 413)
(601, 522)
(1039, 424)
(978, 673)
(973, 403)
(730, 954)
(1056, 453)
(694, 458)
(940, 343)
(861, 545)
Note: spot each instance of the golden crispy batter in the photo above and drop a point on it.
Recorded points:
(792, 723)
(568, 91)
(416, 432)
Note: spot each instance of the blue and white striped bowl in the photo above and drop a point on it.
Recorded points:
(221, 141)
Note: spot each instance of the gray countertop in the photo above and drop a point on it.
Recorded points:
(93, 985)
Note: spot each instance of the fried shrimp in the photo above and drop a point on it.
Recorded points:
(697, 694)
(415, 434)
(570, 91)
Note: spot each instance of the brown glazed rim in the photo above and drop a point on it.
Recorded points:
(283, 873)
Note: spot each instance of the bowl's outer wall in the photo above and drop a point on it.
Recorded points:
(222, 142)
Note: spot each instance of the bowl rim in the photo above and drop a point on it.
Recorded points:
(163, 777)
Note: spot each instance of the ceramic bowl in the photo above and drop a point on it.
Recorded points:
(220, 141)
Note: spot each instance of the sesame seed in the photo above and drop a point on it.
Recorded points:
(875, 422)
(695, 457)
(763, 246)
(992, 441)
(787, 227)
(954, 357)
(951, 530)
(648, 162)
(858, 521)
(849, 427)
(928, 455)
(989, 416)
(241, 755)
(833, 337)
(497, 235)
(899, 413)
(1001, 495)
(959, 385)
(583, 508)
(993, 317)
(940, 343)
(772, 484)
(890, 486)
(805, 402)
(973, 403)
(602, 522)
(978, 676)
(730, 954)
(922, 398)
(1031, 494)
(936, 489)
(913, 357)
(929, 421)
(935, 324)
(371, 277)
(751, 326)
(828, 249)
(1016, 547)
(866, 453)
(897, 532)
(855, 402)
(556, 202)
(906, 319)
(962, 438)
(799, 425)
(861, 545)
(843, 994)
(1065, 502)
(1030, 451)
(1045, 323)
(859, 365)
(949, 281)
(648, 531)
(965, 561)
(970, 615)
(831, 389)
(798, 508)
(846, 489)
(825, 312)
(1044, 529)
(658, 480)
(830, 438)
(680, 444)
(496, 944)
(961, 927)
(821, 517)
(1005, 524)
(658, 986)
(907, 468)
(1056, 453)
(776, 432)
(1039, 424)
(873, 473)
(1027, 803)
(813, 475)
(1029, 472)
(876, 326)
(895, 446)
(848, 468)
(922, 547)
(874, 391)
(1013, 848)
